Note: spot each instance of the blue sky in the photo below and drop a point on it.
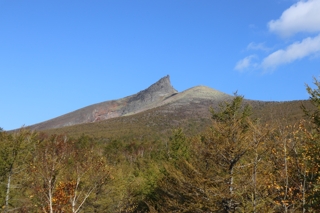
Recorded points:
(58, 56)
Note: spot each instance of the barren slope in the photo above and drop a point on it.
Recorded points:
(146, 99)
(159, 94)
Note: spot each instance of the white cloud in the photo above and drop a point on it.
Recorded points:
(245, 63)
(303, 16)
(295, 51)
(258, 46)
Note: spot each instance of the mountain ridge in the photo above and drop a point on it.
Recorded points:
(158, 94)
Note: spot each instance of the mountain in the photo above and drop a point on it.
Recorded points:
(158, 94)
(153, 113)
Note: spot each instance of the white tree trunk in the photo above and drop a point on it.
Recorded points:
(8, 191)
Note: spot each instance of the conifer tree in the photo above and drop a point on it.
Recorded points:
(312, 148)
(224, 171)
(227, 148)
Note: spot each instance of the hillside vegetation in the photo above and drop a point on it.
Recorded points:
(158, 123)
(236, 156)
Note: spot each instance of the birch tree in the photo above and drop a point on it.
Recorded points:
(49, 161)
(15, 151)
(88, 173)
(65, 174)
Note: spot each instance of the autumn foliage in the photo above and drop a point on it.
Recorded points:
(238, 163)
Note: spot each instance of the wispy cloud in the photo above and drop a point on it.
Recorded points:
(245, 63)
(258, 46)
(295, 51)
(300, 17)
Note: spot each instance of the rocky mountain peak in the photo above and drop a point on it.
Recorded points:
(150, 97)
(162, 87)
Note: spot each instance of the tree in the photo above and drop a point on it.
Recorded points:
(227, 147)
(311, 150)
(224, 172)
(178, 145)
(49, 160)
(15, 151)
(286, 184)
(314, 114)
(65, 173)
(87, 173)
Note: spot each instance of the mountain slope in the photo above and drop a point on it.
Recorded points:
(159, 108)
(157, 123)
(158, 94)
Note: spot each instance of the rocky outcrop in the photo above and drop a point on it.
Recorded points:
(150, 97)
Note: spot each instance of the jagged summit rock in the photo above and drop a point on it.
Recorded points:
(162, 87)
(150, 97)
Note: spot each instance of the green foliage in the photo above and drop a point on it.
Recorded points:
(311, 150)
(314, 115)
(237, 165)
(153, 162)
(227, 147)
(15, 151)
(178, 145)
(231, 111)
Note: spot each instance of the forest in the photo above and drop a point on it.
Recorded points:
(239, 163)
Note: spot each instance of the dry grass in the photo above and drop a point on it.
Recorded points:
(157, 123)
